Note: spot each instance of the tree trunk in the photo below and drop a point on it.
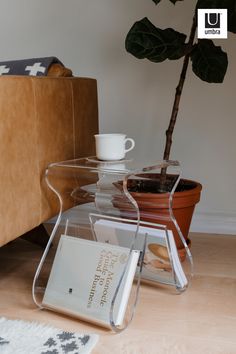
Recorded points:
(178, 92)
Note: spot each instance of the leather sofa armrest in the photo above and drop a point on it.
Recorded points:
(42, 120)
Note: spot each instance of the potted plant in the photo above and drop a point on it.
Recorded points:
(209, 62)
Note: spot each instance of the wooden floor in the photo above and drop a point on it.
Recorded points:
(202, 320)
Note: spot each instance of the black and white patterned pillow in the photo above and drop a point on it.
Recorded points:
(29, 67)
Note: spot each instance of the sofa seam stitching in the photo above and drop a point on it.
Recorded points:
(36, 134)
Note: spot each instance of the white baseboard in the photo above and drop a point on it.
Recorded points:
(214, 223)
(205, 222)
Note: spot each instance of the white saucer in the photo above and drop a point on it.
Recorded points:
(95, 159)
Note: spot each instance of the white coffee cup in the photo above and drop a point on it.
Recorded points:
(110, 147)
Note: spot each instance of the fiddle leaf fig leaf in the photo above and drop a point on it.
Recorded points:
(156, 1)
(230, 5)
(174, 1)
(144, 40)
(209, 62)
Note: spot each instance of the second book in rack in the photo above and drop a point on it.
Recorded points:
(157, 265)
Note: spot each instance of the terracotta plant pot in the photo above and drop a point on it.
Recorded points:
(154, 208)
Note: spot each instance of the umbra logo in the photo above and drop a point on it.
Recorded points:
(212, 23)
(212, 20)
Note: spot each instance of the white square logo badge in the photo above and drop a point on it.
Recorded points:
(212, 23)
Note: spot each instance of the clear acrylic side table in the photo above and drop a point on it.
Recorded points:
(97, 204)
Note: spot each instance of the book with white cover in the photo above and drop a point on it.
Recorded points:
(156, 266)
(84, 278)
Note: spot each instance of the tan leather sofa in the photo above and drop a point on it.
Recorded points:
(42, 120)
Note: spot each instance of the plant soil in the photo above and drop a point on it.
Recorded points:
(153, 184)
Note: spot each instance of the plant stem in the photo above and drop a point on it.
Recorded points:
(178, 92)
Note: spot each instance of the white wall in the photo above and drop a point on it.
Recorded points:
(136, 96)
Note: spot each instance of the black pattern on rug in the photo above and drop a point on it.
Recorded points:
(3, 341)
(35, 338)
(65, 342)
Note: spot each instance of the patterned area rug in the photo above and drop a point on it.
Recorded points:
(21, 337)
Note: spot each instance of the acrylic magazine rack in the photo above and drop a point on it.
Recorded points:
(103, 242)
